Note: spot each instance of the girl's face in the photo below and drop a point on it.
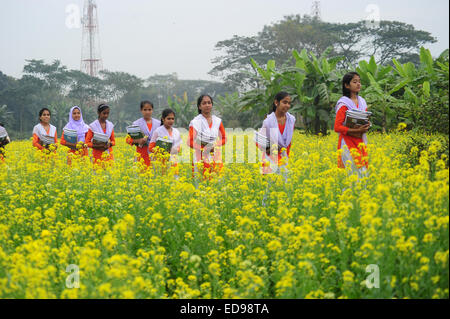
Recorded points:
(169, 120)
(284, 105)
(45, 117)
(206, 105)
(104, 115)
(147, 111)
(76, 114)
(355, 85)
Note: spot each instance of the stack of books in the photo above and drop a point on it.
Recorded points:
(205, 139)
(135, 132)
(356, 117)
(3, 135)
(262, 140)
(71, 136)
(100, 138)
(165, 144)
(47, 140)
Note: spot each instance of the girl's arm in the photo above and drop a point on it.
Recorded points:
(152, 144)
(112, 139)
(191, 139)
(36, 142)
(339, 121)
(222, 134)
(129, 140)
(88, 140)
(56, 137)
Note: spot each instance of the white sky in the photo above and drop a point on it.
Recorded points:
(145, 37)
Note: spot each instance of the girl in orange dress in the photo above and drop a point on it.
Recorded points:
(44, 128)
(101, 152)
(76, 123)
(207, 151)
(352, 141)
(148, 126)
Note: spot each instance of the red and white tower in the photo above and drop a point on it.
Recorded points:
(91, 62)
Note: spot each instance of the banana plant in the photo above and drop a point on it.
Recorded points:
(185, 111)
(316, 89)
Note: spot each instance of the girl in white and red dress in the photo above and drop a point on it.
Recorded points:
(101, 152)
(148, 126)
(352, 141)
(279, 128)
(168, 132)
(44, 128)
(209, 155)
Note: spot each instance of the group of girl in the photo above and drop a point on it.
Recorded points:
(352, 141)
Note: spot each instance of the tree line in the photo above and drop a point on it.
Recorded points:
(302, 55)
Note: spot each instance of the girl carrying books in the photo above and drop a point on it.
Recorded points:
(101, 150)
(352, 141)
(44, 134)
(167, 134)
(77, 124)
(206, 136)
(148, 126)
(4, 140)
(278, 127)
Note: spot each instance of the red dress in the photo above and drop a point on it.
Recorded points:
(217, 164)
(97, 154)
(143, 151)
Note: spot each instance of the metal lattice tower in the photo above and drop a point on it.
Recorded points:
(91, 62)
(315, 10)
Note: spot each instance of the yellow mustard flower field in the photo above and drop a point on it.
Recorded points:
(121, 232)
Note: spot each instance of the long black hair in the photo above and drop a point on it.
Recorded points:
(146, 102)
(346, 81)
(279, 97)
(165, 114)
(200, 99)
(101, 108)
(42, 112)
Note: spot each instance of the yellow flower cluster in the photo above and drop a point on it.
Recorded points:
(136, 233)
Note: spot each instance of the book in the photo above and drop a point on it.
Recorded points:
(135, 132)
(356, 117)
(205, 139)
(100, 138)
(71, 136)
(262, 140)
(164, 144)
(3, 134)
(47, 140)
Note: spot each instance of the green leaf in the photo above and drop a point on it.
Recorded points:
(372, 66)
(426, 89)
(399, 68)
(426, 59)
(399, 86)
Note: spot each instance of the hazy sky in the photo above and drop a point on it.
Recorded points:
(145, 37)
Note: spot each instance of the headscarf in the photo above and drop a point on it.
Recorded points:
(283, 140)
(142, 123)
(345, 101)
(78, 126)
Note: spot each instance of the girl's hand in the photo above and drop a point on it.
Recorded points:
(142, 141)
